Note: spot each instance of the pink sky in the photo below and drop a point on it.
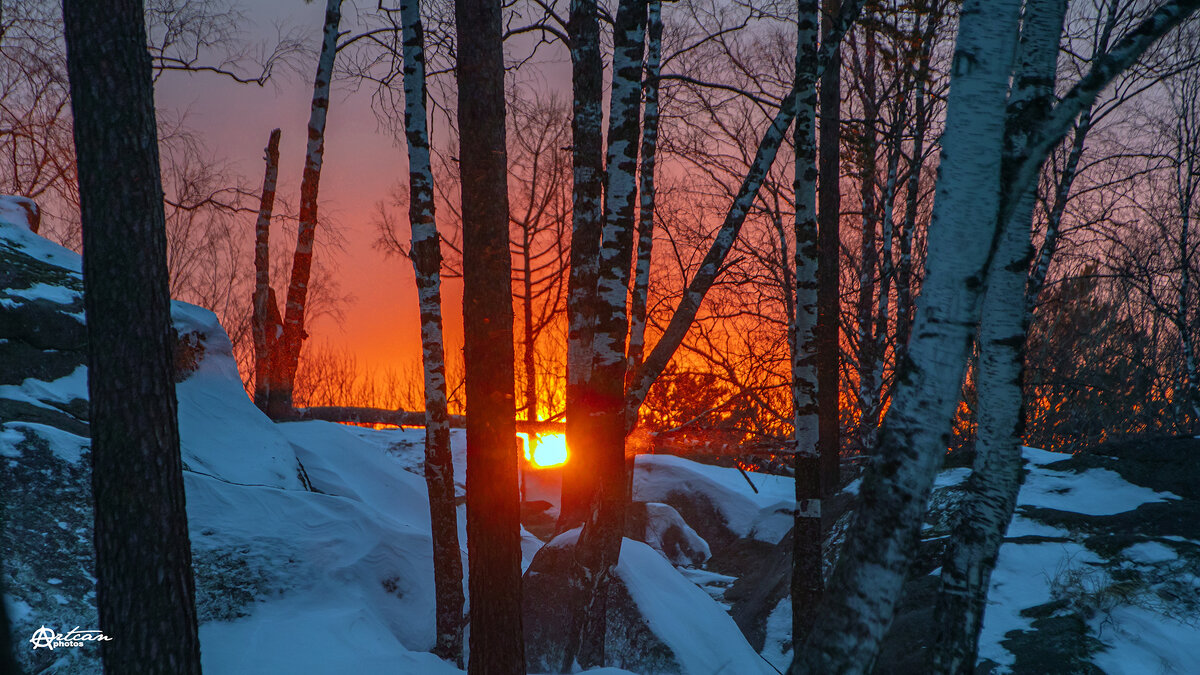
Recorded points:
(362, 163)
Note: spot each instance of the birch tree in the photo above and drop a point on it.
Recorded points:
(427, 262)
(996, 478)
(866, 584)
(868, 578)
(646, 189)
(807, 535)
(600, 541)
(291, 341)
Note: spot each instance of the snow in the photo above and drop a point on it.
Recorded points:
(1095, 492)
(66, 446)
(777, 645)
(41, 393)
(15, 232)
(317, 634)
(707, 641)
(1022, 579)
(1150, 552)
(60, 295)
(1139, 637)
(765, 515)
(221, 433)
(1143, 641)
(949, 478)
(660, 521)
(340, 463)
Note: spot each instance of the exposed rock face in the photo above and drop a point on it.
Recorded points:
(46, 516)
(45, 484)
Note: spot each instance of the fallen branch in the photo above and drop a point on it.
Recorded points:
(404, 418)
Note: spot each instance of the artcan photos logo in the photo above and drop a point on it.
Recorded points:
(45, 637)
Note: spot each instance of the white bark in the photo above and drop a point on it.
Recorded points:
(993, 485)
(807, 583)
(297, 295)
(645, 245)
(865, 586)
(427, 260)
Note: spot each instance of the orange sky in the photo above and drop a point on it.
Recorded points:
(362, 163)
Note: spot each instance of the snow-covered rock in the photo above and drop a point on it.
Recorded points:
(664, 530)
(717, 502)
(657, 620)
(288, 579)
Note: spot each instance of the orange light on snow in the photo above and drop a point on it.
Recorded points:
(549, 450)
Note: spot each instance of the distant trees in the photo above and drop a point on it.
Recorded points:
(145, 590)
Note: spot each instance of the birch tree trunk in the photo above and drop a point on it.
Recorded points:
(264, 334)
(600, 541)
(587, 221)
(829, 243)
(497, 644)
(145, 591)
(865, 586)
(645, 242)
(427, 263)
(280, 403)
(807, 535)
(992, 488)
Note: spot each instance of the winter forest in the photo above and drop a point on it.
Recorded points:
(690, 337)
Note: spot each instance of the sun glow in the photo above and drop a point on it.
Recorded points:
(549, 450)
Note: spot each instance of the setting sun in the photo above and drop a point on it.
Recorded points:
(549, 450)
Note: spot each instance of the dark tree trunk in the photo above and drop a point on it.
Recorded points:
(829, 203)
(493, 500)
(868, 254)
(280, 403)
(587, 220)
(264, 334)
(427, 264)
(144, 591)
(8, 663)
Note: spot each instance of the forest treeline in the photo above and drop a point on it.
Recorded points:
(1111, 334)
(886, 229)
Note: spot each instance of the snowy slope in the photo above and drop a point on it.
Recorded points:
(332, 579)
